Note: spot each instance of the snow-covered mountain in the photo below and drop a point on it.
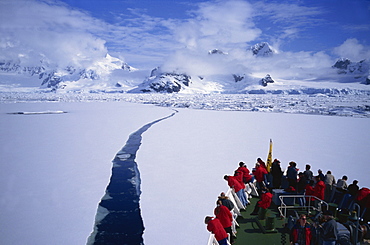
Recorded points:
(344, 75)
(358, 70)
(172, 82)
(163, 82)
(108, 72)
(228, 75)
(217, 51)
(266, 80)
(263, 50)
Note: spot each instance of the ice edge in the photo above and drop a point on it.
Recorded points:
(120, 204)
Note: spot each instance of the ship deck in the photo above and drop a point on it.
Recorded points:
(250, 233)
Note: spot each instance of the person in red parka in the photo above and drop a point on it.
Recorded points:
(259, 173)
(363, 199)
(239, 177)
(264, 202)
(362, 194)
(233, 182)
(215, 227)
(246, 173)
(309, 191)
(238, 188)
(319, 189)
(224, 215)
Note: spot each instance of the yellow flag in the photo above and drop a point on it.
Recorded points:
(269, 158)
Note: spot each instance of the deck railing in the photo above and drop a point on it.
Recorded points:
(235, 213)
(212, 240)
(311, 203)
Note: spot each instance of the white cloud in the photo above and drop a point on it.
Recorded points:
(35, 30)
(284, 65)
(358, 27)
(353, 50)
(218, 24)
(294, 65)
(289, 13)
(284, 22)
(225, 25)
(32, 30)
(231, 31)
(143, 40)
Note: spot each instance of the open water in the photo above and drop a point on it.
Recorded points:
(118, 219)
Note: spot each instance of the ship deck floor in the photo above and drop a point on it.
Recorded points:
(250, 233)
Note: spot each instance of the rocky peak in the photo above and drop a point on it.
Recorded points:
(216, 51)
(127, 67)
(164, 82)
(50, 76)
(345, 66)
(262, 49)
(266, 80)
(342, 63)
(358, 71)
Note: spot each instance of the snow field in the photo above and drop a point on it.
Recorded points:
(183, 160)
(55, 167)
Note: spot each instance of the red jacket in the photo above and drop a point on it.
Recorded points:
(319, 190)
(307, 231)
(259, 174)
(265, 201)
(246, 174)
(234, 183)
(362, 193)
(224, 215)
(363, 197)
(239, 177)
(216, 228)
(309, 192)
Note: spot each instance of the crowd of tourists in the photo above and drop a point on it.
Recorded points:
(221, 224)
(266, 178)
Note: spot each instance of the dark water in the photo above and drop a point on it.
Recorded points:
(118, 219)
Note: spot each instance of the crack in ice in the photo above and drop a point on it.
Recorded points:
(118, 219)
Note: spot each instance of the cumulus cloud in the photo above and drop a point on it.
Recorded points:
(234, 31)
(218, 24)
(224, 25)
(353, 50)
(50, 31)
(294, 65)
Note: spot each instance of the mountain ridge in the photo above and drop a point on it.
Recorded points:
(111, 74)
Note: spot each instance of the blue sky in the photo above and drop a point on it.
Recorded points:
(146, 32)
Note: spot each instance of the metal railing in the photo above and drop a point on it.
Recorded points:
(311, 203)
(212, 240)
(235, 213)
